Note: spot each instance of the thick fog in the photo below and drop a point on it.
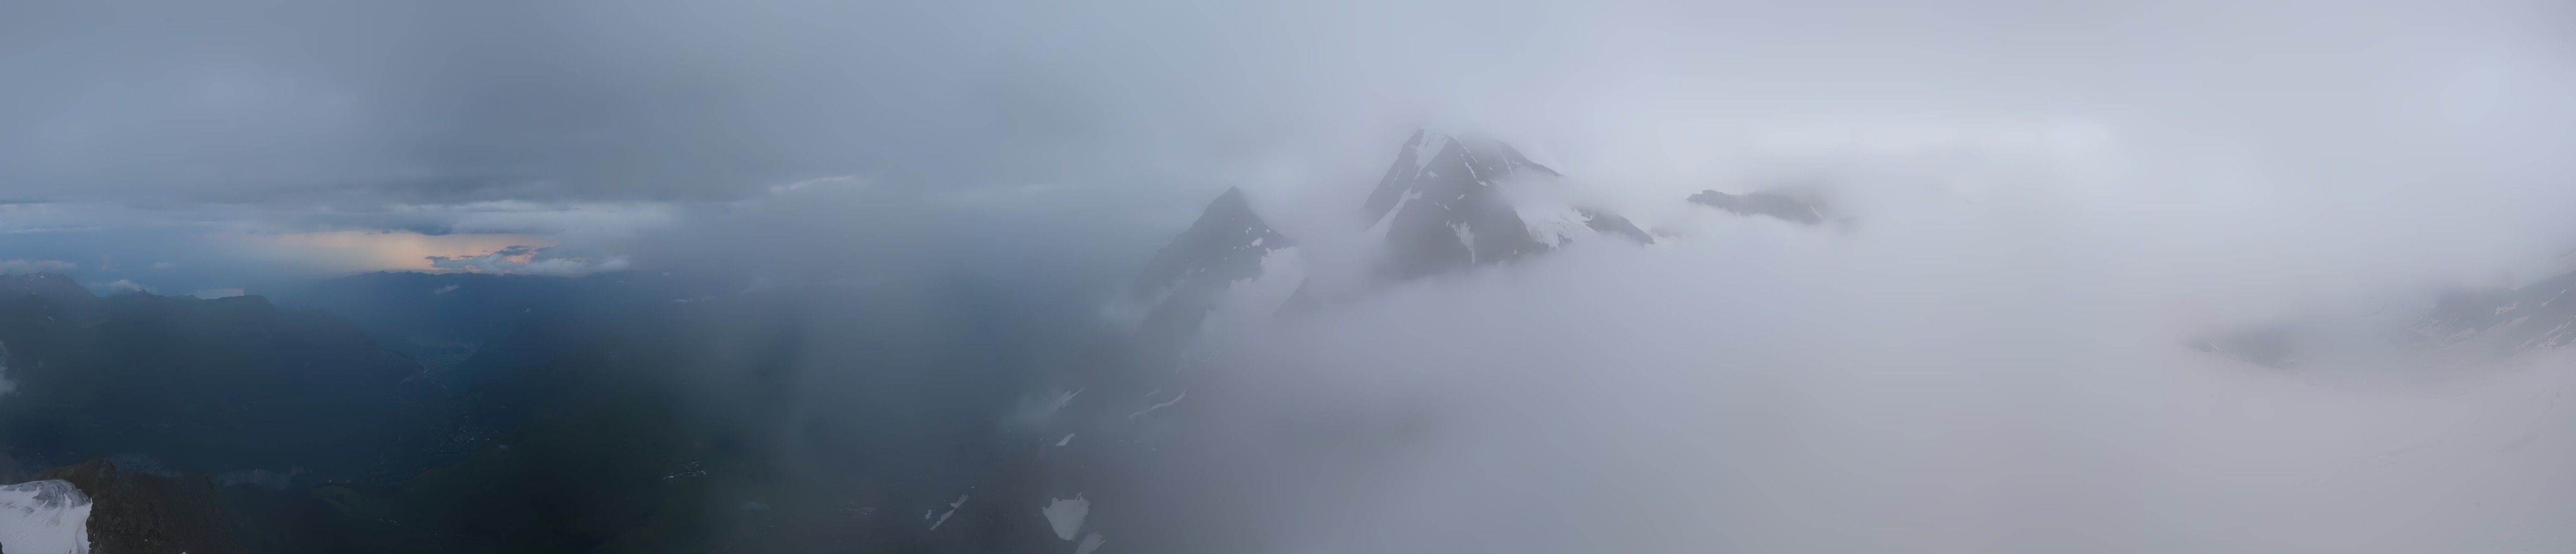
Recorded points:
(1960, 371)
(2034, 206)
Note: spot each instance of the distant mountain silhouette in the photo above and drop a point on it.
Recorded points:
(200, 385)
(441, 318)
(1794, 206)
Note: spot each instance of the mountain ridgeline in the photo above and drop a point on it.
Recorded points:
(1187, 279)
(195, 385)
(1445, 205)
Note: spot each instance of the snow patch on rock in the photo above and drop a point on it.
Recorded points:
(1065, 515)
(44, 517)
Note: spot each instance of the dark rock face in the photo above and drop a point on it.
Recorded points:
(1794, 207)
(1185, 279)
(135, 513)
(1610, 223)
(1441, 207)
(2536, 316)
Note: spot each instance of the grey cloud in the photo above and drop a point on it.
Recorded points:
(1987, 369)
(120, 286)
(531, 261)
(293, 102)
(449, 116)
(36, 266)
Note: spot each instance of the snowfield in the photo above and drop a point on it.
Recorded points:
(44, 517)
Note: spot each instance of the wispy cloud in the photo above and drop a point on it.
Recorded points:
(36, 266)
(528, 260)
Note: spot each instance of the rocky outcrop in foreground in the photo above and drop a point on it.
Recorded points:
(137, 513)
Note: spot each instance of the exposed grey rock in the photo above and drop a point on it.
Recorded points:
(1186, 278)
(1442, 210)
(1442, 207)
(1611, 223)
(2535, 316)
(1792, 206)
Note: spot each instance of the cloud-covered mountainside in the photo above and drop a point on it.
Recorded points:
(1970, 358)
(2464, 325)
(1978, 365)
(1443, 206)
(1345, 276)
(2538, 315)
(1229, 246)
(1447, 204)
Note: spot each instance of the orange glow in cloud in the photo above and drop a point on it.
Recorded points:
(379, 250)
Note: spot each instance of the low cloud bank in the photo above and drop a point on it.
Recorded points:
(1988, 362)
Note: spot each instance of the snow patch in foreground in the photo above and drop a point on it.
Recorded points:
(1165, 404)
(1066, 515)
(1065, 399)
(1089, 543)
(952, 510)
(44, 517)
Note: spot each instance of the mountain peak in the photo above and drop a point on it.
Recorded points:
(45, 285)
(1442, 206)
(1225, 258)
(1427, 153)
(1228, 239)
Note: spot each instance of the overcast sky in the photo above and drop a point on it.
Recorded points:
(137, 133)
